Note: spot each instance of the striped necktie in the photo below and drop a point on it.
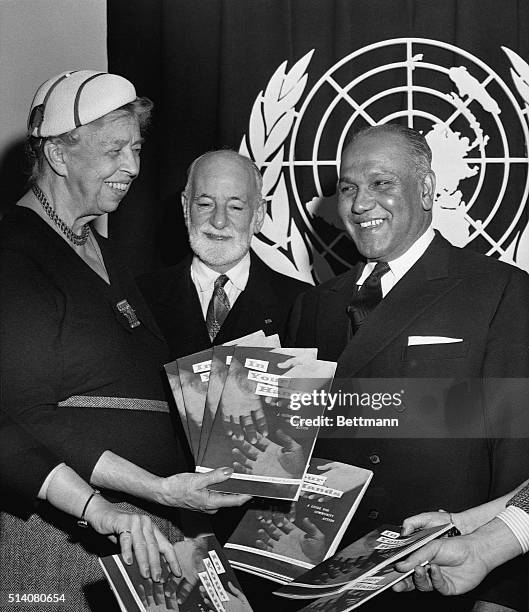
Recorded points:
(218, 307)
(367, 297)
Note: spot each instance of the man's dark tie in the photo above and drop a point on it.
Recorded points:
(218, 307)
(367, 297)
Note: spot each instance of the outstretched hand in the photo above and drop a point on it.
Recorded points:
(454, 567)
(190, 491)
(457, 565)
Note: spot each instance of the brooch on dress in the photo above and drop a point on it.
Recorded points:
(129, 313)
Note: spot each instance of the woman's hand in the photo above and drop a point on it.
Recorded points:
(137, 535)
(190, 491)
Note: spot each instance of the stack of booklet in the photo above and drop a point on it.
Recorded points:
(360, 571)
(282, 540)
(207, 581)
(253, 406)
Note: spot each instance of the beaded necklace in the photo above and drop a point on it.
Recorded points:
(77, 239)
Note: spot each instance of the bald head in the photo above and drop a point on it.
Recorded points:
(413, 143)
(223, 207)
(225, 157)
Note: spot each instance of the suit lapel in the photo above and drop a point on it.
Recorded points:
(425, 283)
(332, 327)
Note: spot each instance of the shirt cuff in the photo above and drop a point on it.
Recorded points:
(517, 520)
(43, 492)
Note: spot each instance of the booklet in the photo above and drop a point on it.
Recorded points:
(281, 541)
(207, 582)
(254, 429)
(359, 561)
(219, 371)
(171, 369)
(220, 362)
(194, 378)
(188, 379)
(362, 591)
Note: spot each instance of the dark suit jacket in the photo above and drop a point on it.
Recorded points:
(173, 299)
(453, 293)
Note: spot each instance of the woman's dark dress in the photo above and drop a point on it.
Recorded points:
(63, 341)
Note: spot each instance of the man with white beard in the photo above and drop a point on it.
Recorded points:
(221, 293)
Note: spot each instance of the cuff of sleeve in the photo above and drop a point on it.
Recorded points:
(517, 520)
(24, 463)
(43, 493)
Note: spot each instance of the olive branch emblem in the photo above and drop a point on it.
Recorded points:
(280, 242)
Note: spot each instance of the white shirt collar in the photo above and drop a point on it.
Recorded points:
(400, 265)
(204, 277)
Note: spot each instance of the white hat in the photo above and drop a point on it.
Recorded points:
(75, 98)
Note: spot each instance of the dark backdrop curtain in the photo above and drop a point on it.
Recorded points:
(203, 63)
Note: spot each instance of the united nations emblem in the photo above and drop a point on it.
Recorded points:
(474, 123)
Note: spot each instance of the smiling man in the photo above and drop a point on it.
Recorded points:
(419, 308)
(221, 293)
(385, 192)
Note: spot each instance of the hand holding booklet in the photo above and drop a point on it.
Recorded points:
(360, 571)
(233, 401)
(207, 582)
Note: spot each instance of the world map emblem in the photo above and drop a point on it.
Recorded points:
(474, 122)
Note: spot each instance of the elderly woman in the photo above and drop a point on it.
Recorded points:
(81, 356)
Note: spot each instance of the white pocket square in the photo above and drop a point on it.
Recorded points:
(418, 340)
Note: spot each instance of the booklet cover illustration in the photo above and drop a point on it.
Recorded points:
(253, 429)
(358, 561)
(220, 363)
(207, 582)
(282, 540)
(360, 593)
(188, 378)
